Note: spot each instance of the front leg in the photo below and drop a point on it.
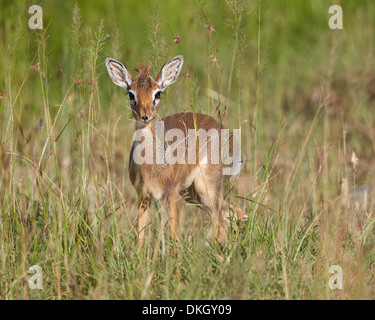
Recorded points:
(143, 216)
(172, 212)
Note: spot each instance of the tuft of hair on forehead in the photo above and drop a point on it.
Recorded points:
(143, 77)
(144, 68)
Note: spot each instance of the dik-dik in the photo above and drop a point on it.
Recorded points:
(199, 179)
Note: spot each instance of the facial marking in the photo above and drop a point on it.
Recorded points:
(144, 82)
(130, 93)
(156, 95)
(144, 88)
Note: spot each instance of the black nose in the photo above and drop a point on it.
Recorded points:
(144, 118)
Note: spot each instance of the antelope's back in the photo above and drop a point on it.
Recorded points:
(197, 121)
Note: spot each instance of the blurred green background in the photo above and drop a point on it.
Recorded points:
(303, 95)
(294, 44)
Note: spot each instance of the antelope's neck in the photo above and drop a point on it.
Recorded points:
(145, 134)
(150, 126)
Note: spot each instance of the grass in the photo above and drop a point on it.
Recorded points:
(301, 93)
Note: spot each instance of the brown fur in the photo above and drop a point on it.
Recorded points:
(143, 79)
(197, 183)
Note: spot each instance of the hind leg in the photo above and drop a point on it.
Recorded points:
(207, 188)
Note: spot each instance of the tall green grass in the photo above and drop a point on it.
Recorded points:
(301, 93)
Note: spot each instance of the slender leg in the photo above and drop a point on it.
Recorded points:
(143, 215)
(172, 211)
(208, 194)
(219, 222)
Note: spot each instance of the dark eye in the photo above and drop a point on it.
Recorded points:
(157, 95)
(131, 96)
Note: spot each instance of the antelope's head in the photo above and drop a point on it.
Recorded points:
(144, 91)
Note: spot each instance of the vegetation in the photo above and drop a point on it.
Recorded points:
(301, 93)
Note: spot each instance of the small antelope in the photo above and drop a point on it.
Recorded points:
(198, 183)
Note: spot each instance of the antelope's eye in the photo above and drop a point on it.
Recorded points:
(131, 96)
(157, 95)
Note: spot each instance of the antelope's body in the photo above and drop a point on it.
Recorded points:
(198, 181)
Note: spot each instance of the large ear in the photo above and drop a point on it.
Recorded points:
(170, 72)
(118, 73)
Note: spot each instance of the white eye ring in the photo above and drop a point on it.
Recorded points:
(157, 95)
(132, 95)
